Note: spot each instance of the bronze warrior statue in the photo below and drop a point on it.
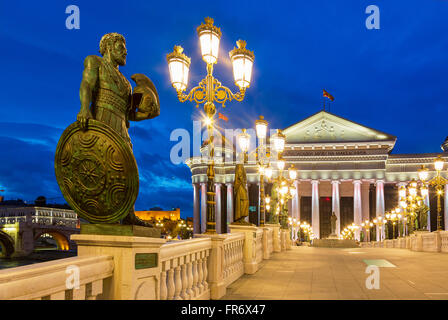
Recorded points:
(95, 166)
(241, 195)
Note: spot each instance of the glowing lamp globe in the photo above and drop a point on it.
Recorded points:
(261, 126)
(402, 192)
(438, 163)
(209, 36)
(243, 140)
(178, 65)
(423, 173)
(280, 164)
(242, 61)
(279, 141)
(292, 172)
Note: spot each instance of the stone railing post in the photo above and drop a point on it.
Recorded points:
(250, 246)
(275, 236)
(136, 264)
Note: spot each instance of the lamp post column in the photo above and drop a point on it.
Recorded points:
(218, 207)
(357, 207)
(196, 209)
(229, 205)
(203, 207)
(335, 204)
(426, 202)
(380, 206)
(315, 208)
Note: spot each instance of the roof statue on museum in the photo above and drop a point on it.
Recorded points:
(326, 127)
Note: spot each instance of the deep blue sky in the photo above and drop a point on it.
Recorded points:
(393, 79)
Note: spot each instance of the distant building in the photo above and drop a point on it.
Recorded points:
(173, 215)
(39, 215)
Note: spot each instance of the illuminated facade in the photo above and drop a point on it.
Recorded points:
(343, 167)
(159, 214)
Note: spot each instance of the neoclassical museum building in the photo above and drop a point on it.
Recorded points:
(343, 167)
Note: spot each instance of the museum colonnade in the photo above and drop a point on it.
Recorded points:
(352, 201)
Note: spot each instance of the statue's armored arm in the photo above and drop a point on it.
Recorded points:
(88, 84)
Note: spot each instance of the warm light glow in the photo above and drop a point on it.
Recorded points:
(268, 207)
(280, 164)
(242, 61)
(178, 65)
(268, 172)
(438, 163)
(243, 140)
(267, 200)
(292, 191)
(402, 192)
(261, 127)
(209, 36)
(279, 141)
(208, 121)
(292, 172)
(423, 173)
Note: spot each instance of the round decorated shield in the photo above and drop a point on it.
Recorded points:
(97, 172)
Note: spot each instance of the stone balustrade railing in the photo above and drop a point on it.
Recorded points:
(436, 241)
(132, 268)
(184, 270)
(58, 280)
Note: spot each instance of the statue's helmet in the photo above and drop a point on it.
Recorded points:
(145, 98)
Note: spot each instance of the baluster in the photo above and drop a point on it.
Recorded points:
(225, 264)
(195, 278)
(190, 290)
(163, 288)
(200, 276)
(183, 293)
(205, 271)
(178, 284)
(170, 284)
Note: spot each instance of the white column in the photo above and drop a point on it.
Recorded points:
(335, 204)
(295, 202)
(380, 205)
(357, 208)
(196, 209)
(229, 205)
(218, 207)
(315, 208)
(445, 209)
(203, 207)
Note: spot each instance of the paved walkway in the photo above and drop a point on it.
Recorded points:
(324, 273)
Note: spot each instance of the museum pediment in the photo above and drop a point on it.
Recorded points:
(326, 127)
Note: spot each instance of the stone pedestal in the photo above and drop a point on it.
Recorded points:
(249, 259)
(266, 235)
(136, 274)
(275, 236)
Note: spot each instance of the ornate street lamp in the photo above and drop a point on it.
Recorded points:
(438, 182)
(261, 127)
(210, 90)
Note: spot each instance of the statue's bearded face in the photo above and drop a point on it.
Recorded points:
(119, 52)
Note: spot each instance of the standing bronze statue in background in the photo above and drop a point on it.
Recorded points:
(95, 166)
(241, 195)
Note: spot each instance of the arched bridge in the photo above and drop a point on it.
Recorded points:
(19, 239)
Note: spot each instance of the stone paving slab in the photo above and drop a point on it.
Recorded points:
(309, 273)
